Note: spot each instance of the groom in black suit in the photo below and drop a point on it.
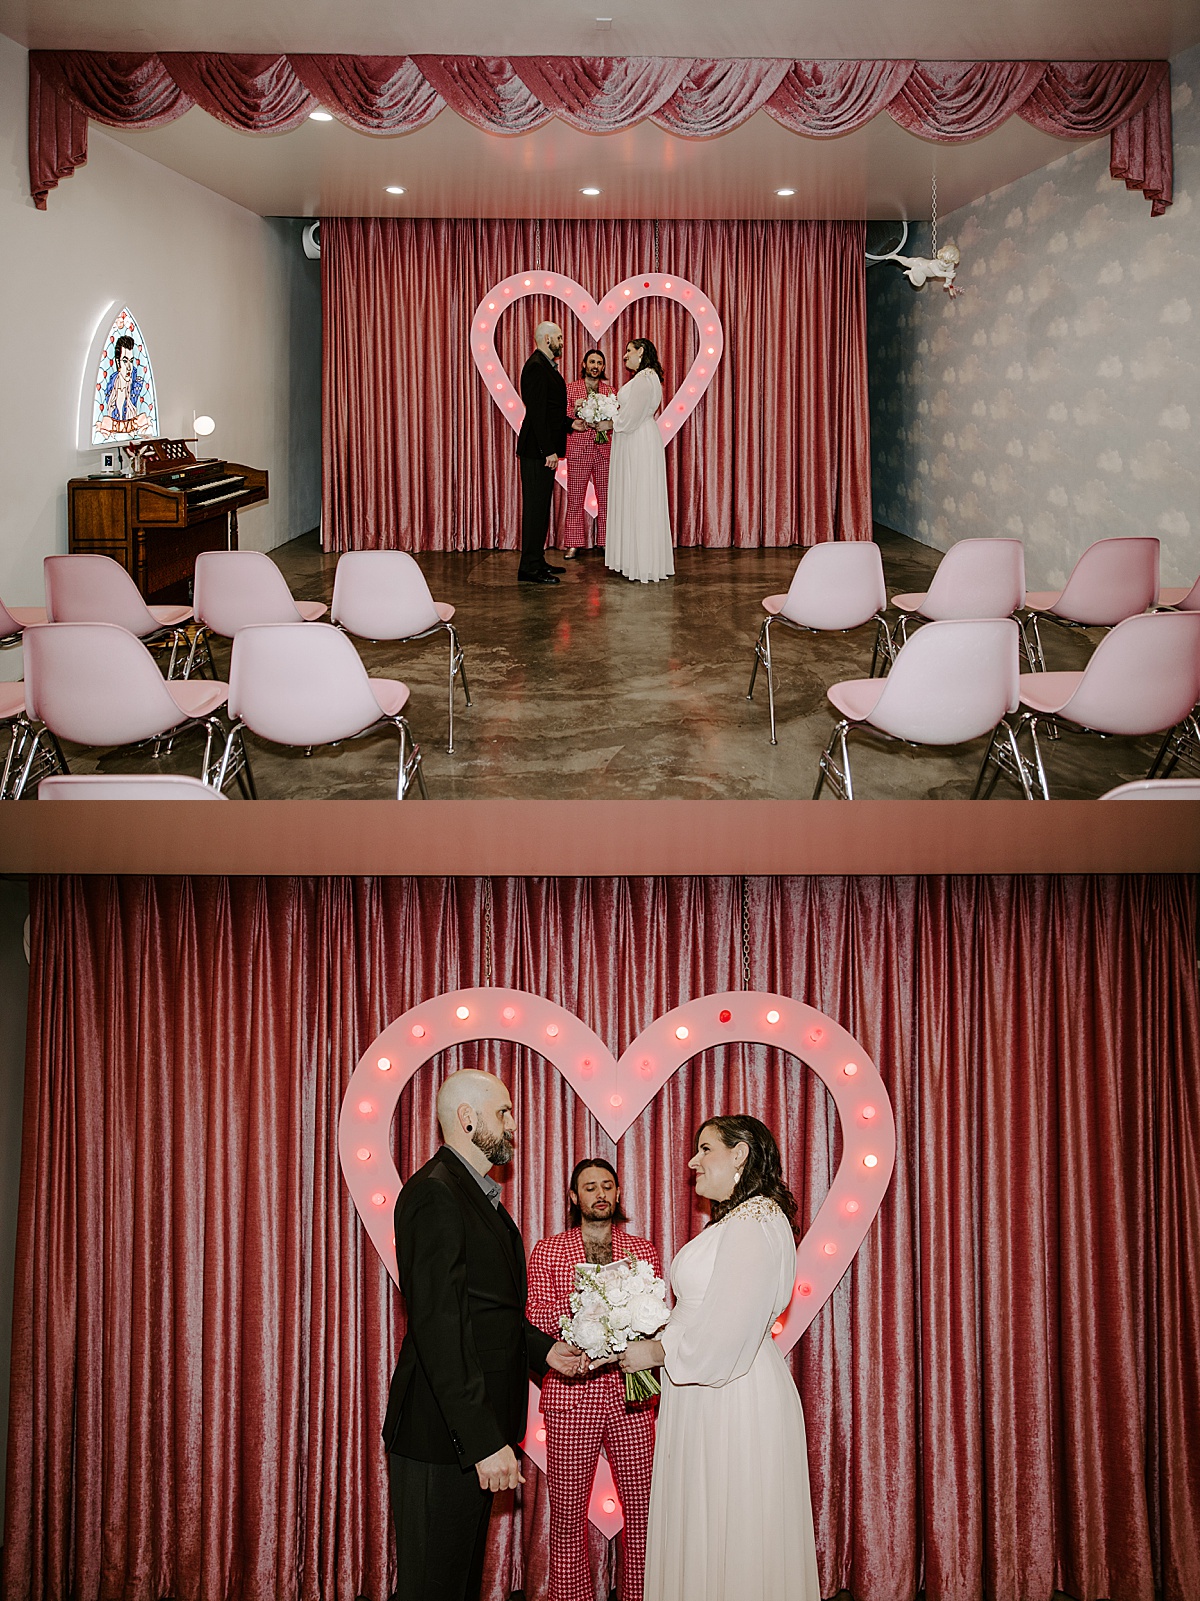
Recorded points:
(542, 440)
(459, 1395)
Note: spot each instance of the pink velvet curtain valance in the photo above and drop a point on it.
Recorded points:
(690, 97)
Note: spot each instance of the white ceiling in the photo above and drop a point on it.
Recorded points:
(451, 169)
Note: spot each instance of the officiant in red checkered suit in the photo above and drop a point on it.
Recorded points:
(584, 1414)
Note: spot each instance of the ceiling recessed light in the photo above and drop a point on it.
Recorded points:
(590, 190)
(320, 116)
(395, 189)
(784, 193)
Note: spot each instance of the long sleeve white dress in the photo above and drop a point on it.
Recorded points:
(730, 1509)
(638, 538)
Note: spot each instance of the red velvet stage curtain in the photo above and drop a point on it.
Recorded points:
(416, 456)
(1001, 1396)
(692, 97)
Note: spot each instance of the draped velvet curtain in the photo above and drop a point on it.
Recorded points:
(1001, 1396)
(689, 96)
(417, 457)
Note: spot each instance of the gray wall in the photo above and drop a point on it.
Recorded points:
(1058, 399)
(298, 392)
(14, 998)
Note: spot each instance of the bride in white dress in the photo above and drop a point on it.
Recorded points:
(730, 1509)
(638, 538)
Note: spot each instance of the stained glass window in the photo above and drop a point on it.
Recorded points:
(125, 404)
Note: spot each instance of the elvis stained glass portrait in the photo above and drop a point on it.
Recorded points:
(124, 405)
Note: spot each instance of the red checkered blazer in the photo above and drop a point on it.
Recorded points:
(552, 1264)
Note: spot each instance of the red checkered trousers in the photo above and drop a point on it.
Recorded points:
(581, 1416)
(587, 462)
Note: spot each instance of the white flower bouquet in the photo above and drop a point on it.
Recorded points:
(612, 1304)
(599, 412)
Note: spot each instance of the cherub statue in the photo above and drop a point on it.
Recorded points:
(920, 270)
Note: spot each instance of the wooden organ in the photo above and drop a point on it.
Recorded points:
(157, 522)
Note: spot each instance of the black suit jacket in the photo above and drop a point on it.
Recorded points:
(461, 1387)
(544, 391)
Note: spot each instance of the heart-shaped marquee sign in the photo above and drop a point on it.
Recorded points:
(616, 1092)
(597, 314)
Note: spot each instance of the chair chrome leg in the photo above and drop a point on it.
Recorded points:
(1038, 767)
(987, 758)
(1182, 741)
(840, 779)
(20, 732)
(757, 657)
(410, 765)
(884, 653)
(52, 759)
(766, 639)
(226, 768)
(1037, 656)
(460, 661)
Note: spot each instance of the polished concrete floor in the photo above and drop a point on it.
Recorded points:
(603, 689)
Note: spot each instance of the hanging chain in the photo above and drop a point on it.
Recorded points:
(654, 265)
(537, 245)
(934, 207)
(488, 975)
(745, 932)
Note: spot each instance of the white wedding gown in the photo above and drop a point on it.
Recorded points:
(638, 537)
(730, 1509)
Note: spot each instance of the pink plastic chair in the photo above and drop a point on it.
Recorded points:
(954, 681)
(975, 578)
(238, 589)
(303, 684)
(1181, 599)
(95, 684)
(835, 588)
(382, 594)
(1142, 678)
(96, 589)
(1112, 580)
(130, 786)
(1157, 789)
(15, 620)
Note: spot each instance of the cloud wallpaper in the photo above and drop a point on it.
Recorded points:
(1058, 398)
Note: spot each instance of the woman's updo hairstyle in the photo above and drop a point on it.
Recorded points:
(763, 1170)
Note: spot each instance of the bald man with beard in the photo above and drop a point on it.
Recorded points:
(459, 1395)
(542, 440)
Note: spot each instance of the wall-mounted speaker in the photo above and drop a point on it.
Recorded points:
(311, 240)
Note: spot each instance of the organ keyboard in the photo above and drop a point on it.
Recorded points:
(157, 522)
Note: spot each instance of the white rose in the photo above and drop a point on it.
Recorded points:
(647, 1313)
(590, 1336)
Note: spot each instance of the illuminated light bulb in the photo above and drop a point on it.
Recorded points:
(483, 327)
(691, 389)
(609, 1504)
(507, 290)
(541, 1434)
(803, 1289)
(395, 189)
(528, 282)
(614, 1100)
(590, 190)
(870, 1161)
(384, 1064)
(702, 309)
(681, 1032)
(366, 1108)
(363, 1153)
(567, 291)
(785, 194)
(491, 367)
(850, 1069)
(726, 1016)
(462, 1013)
(491, 305)
(667, 285)
(816, 1035)
(379, 1198)
(710, 329)
(830, 1248)
(320, 116)
(552, 1030)
(509, 1013)
(772, 1017)
(712, 350)
(511, 405)
(776, 1329)
(868, 1112)
(418, 1031)
(500, 386)
(702, 372)
(852, 1207)
(549, 283)
(628, 292)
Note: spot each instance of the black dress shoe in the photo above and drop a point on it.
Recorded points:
(543, 577)
(547, 567)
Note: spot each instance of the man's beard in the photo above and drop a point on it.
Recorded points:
(498, 1148)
